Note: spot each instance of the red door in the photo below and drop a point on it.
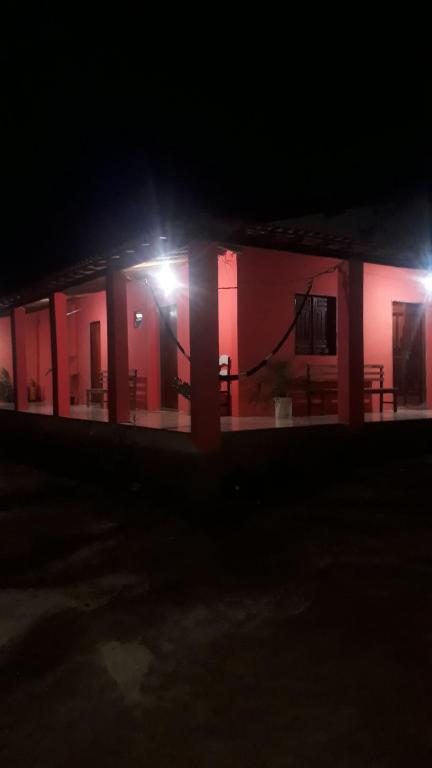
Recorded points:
(168, 357)
(409, 352)
(95, 354)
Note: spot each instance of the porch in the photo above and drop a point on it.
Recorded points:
(175, 316)
(181, 422)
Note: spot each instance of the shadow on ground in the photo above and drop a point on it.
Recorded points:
(260, 633)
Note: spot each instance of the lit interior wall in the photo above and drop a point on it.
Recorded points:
(227, 297)
(38, 352)
(382, 286)
(144, 341)
(183, 364)
(267, 283)
(84, 310)
(6, 345)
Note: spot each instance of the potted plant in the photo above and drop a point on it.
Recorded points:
(275, 383)
(6, 388)
(34, 392)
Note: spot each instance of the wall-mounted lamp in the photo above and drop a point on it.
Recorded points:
(426, 282)
(166, 279)
(138, 318)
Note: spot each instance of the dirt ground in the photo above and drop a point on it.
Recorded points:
(260, 634)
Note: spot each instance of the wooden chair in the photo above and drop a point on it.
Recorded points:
(138, 391)
(322, 386)
(100, 392)
(374, 385)
(133, 381)
(137, 387)
(225, 386)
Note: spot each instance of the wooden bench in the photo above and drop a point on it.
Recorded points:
(225, 386)
(138, 391)
(99, 394)
(322, 383)
(137, 388)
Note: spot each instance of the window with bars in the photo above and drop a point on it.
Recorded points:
(315, 332)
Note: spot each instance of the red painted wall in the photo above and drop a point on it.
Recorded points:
(267, 284)
(144, 341)
(228, 337)
(182, 273)
(382, 286)
(38, 352)
(6, 345)
(256, 304)
(84, 310)
(144, 353)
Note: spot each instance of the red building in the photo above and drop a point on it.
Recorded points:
(97, 342)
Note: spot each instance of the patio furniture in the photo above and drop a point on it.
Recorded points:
(138, 391)
(100, 392)
(74, 388)
(225, 386)
(133, 381)
(322, 385)
(137, 386)
(374, 385)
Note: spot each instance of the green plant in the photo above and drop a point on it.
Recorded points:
(275, 380)
(6, 388)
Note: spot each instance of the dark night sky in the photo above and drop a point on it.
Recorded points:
(113, 128)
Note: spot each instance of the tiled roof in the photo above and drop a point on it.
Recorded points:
(388, 236)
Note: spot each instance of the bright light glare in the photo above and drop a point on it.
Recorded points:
(166, 279)
(426, 281)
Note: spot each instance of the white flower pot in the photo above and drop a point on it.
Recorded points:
(283, 408)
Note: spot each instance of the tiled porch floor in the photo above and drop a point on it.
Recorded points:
(403, 414)
(180, 422)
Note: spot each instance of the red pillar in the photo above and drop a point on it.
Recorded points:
(428, 345)
(118, 359)
(19, 358)
(60, 354)
(350, 344)
(204, 346)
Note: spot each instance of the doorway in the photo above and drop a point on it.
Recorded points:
(95, 354)
(409, 366)
(168, 357)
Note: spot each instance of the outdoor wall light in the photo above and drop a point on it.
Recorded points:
(426, 282)
(166, 279)
(138, 318)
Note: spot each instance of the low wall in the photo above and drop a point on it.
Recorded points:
(164, 465)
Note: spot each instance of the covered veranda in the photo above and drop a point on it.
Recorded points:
(176, 421)
(212, 296)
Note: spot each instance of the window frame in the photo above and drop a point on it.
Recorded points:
(331, 326)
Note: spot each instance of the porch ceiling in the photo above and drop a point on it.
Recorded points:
(316, 243)
(287, 236)
(88, 273)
